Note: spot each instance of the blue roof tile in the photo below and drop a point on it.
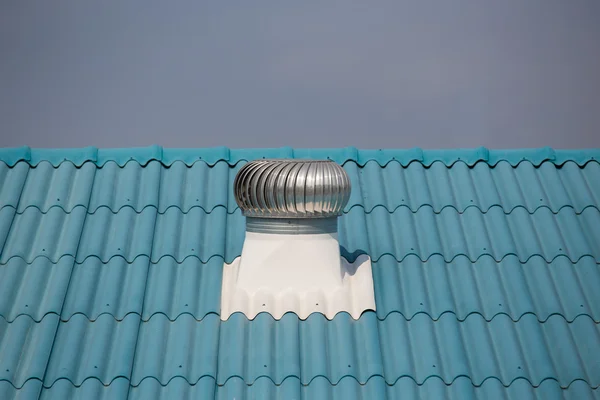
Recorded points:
(116, 288)
(191, 288)
(89, 389)
(25, 346)
(35, 289)
(52, 235)
(487, 287)
(184, 347)
(131, 186)
(31, 390)
(12, 180)
(102, 349)
(486, 265)
(126, 234)
(65, 186)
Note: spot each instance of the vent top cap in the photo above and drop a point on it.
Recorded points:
(292, 188)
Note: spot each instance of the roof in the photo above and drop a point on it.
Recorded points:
(485, 266)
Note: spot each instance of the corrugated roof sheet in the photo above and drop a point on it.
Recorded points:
(486, 266)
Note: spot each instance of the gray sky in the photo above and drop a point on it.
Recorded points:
(374, 74)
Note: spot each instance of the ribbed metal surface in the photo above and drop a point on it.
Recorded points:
(291, 189)
(291, 226)
(473, 274)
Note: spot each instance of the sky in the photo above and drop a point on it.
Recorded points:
(377, 74)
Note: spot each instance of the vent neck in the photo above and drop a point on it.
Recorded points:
(291, 226)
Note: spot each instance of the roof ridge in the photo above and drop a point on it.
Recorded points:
(167, 156)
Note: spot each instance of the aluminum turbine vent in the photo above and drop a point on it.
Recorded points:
(292, 189)
(291, 259)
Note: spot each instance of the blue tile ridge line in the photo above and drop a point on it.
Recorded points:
(506, 384)
(342, 381)
(409, 318)
(290, 377)
(580, 164)
(211, 156)
(350, 257)
(320, 376)
(68, 285)
(346, 211)
(137, 339)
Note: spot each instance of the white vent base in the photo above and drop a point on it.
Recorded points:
(302, 274)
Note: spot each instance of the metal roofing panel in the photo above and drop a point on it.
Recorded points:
(471, 233)
(487, 287)
(185, 347)
(199, 185)
(190, 287)
(423, 233)
(303, 349)
(131, 185)
(126, 233)
(177, 388)
(7, 215)
(31, 390)
(34, 289)
(115, 288)
(35, 234)
(419, 348)
(503, 349)
(65, 186)
(405, 388)
(102, 349)
(448, 157)
(12, 180)
(198, 234)
(25, 347)
(523, 259)
(90, 389)
(481, 186)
